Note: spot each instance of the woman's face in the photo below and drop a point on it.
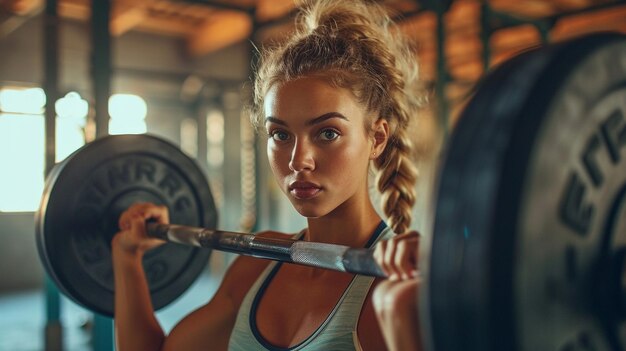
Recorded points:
(318, 147)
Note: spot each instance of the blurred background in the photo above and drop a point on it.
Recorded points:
(180, 69)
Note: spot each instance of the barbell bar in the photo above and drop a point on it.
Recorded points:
(339, 258)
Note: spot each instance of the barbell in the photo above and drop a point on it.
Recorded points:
(528, 244)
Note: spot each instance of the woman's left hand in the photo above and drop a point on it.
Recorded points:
(395, 299)
(398, 256)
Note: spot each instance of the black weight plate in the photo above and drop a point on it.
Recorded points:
(83, 198)
(573, 187)
(494, 266)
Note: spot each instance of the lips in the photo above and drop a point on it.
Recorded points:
(304, 190)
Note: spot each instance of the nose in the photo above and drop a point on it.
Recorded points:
(301, 157)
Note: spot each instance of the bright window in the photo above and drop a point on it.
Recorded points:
(128, 114)
(72, 112)
(22, 143)
(23, 101)
(22, 157)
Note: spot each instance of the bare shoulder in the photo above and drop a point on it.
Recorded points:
(245, 270)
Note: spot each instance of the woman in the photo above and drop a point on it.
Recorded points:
(335, 100)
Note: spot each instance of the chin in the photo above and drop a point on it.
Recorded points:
(309, 213)
(309, 210)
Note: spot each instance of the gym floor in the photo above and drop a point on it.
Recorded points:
(22, 319)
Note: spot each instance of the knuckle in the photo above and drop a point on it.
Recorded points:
(388, 257)
(399, 264)
(401, 253)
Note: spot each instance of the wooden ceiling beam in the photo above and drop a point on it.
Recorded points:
(124, 19)
(219, 31)
(167, 26)
(74, 9)
(524, 9)
(223, 5)
(21, 7)
(125, 16)
(515, 38)
(267, 10)
(602, 20)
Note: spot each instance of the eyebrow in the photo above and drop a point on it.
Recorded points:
(314, 121)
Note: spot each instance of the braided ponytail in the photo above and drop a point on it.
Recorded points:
(396, 180)
(354, 45)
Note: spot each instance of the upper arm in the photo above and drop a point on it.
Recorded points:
(207, 327)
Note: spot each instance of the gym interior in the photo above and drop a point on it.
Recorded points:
(75, 71)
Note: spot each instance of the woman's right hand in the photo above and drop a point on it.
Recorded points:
(132, 237)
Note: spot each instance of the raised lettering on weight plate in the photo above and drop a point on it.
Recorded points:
(145, 170)
(119, 174)
(609, 137)
(170, 183)
(574, 212)
(590, 161)
(90, 248)
(614, 134)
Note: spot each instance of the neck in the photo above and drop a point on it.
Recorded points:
(347, 225)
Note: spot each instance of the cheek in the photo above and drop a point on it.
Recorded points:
(351, 161)
(276, 159)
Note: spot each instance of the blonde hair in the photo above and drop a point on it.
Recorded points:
(355, 45)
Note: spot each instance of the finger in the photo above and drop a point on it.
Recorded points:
(416, 254)
(128, 214)
(138, 228)
(379, 256)
(124, 221)
(149, 210)
(146, 210)
(155, 212)
(409, 235)
(123, 224)
(390, 252)
(403, 259)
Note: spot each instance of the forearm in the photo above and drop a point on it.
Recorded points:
(403, 333)
(396, 309)
(136, 327)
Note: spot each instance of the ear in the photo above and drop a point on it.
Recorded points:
(380, 136)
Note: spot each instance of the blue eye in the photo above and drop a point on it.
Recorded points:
(279, 135)
(329, 134)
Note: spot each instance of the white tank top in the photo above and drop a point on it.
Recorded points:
(337, 332)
